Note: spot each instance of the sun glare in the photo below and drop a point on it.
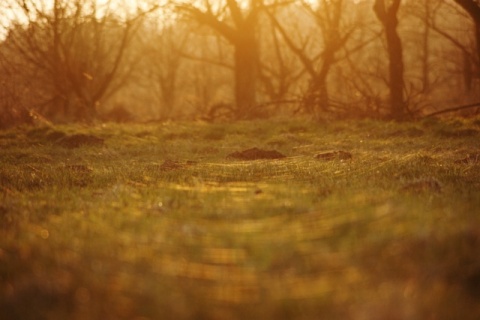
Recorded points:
(11, 11)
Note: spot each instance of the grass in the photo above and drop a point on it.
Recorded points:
(111, 233)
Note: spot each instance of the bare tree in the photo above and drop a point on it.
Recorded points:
(386, 12)
(328, 17)
(424, 11)
(472, 7)
(333, 33)
(452, 23)
(280, 69)
(238, 26)
(13, 92)
(76, 49)
(162, 64)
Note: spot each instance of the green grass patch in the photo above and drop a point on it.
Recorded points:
(157, 222)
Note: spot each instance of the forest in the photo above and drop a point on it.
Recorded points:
(83, 60)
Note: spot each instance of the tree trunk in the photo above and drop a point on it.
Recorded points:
(243, 39)
(472, 7)
(388, 17)
(467, 73)
(477, 40)
(471, 68)
(426, 50)
(317, 97)
(245, 74)
(396, 70)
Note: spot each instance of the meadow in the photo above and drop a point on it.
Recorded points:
(359, 220)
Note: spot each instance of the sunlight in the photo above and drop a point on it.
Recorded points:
(224, 159)
(11, 9)
(11, 12)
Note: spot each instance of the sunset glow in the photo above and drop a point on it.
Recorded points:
(239, 159)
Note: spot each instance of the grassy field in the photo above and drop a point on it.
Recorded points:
(157, 222)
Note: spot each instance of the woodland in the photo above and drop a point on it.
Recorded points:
(84, 60)
(239, 159)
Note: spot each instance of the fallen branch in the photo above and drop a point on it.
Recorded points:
(467, 106)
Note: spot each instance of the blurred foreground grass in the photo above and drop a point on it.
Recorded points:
(159, 224)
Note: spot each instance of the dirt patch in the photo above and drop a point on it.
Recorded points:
(256, 154)
(334, 155)
(78, 140)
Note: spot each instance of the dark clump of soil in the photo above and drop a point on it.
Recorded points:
(78, 140)
(334, 155)
(256, 154)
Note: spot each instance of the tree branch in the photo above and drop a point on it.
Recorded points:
(453, 109)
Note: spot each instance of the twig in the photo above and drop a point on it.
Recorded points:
(467, 106)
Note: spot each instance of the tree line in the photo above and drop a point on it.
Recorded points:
(83, 60)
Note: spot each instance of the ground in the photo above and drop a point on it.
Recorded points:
(341, 220)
